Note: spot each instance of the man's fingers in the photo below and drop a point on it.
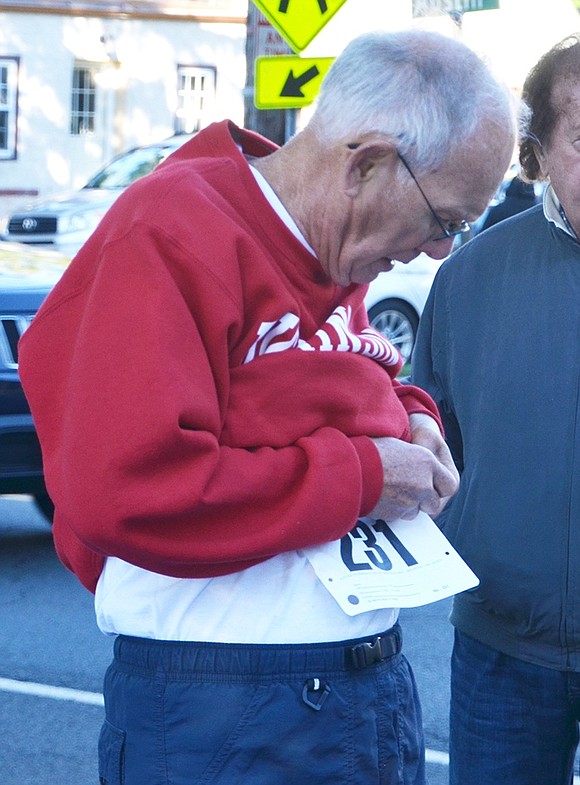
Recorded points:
(446, 460)
(410, 515)
(445, 482)
(414, 478)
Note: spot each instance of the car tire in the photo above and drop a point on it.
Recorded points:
(398, 322)
(45, 505)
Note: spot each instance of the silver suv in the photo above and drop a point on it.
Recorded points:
(64, 222)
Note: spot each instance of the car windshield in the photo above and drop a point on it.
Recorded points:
(123, 171)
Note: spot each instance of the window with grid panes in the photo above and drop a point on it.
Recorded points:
(8, 106)
(83, 101)
(195, 98)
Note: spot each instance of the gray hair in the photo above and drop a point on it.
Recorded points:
(427, 91)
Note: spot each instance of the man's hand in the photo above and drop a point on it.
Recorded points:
(417, 476)
(425, 432)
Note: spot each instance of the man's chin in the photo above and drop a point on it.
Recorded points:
(368, 274)
(385, 266)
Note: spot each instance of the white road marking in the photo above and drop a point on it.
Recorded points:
(434, 756)
(48, 691)
(442, 758)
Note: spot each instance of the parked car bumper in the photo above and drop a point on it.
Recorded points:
(20, 456)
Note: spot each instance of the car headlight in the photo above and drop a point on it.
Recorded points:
(79, 222)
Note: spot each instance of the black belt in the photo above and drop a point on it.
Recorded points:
(245, 661)
(375, 650)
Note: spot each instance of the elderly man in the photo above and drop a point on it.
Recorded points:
(212, 406)
(498, 350)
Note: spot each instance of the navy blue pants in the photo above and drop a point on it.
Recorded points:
(226, 714)
(511, 721)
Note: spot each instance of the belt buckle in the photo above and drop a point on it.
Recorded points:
(370, 652)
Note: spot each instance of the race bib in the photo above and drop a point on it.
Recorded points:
(400, 564)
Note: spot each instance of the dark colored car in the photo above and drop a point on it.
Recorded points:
(26, 277)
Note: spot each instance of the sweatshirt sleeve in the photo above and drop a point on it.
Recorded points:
(128, 385)
(413, 399)
(417, 401)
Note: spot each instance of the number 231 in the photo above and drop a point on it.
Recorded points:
(373, 551)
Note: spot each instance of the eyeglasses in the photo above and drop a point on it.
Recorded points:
(448, 228)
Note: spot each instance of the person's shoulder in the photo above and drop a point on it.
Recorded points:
(516, 228)
(518, 224)
(489, 250)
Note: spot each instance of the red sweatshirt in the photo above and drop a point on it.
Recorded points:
(202, 392)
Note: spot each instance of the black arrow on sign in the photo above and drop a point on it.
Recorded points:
(294, 84)
(283, 6)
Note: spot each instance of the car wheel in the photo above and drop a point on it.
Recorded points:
(45, 505)
(397, 321)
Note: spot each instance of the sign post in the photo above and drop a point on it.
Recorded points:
(263, 40)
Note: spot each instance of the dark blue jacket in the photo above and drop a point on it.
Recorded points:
(499, 351)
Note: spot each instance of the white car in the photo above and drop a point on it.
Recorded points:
(395, 301)
(64, 222)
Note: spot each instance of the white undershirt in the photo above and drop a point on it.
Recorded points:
(278, 601)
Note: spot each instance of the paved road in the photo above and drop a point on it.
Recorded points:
(48, 734)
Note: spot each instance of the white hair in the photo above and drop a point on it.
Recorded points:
(427, 91)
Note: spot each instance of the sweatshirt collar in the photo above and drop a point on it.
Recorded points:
(279, 208)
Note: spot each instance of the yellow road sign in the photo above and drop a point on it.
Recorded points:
(299, 21)
(288, 81)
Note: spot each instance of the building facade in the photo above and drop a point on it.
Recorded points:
(83, 81)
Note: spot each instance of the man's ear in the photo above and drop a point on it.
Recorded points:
(542, 162)
(365, 160)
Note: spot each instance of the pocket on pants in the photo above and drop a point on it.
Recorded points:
(111, 755)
